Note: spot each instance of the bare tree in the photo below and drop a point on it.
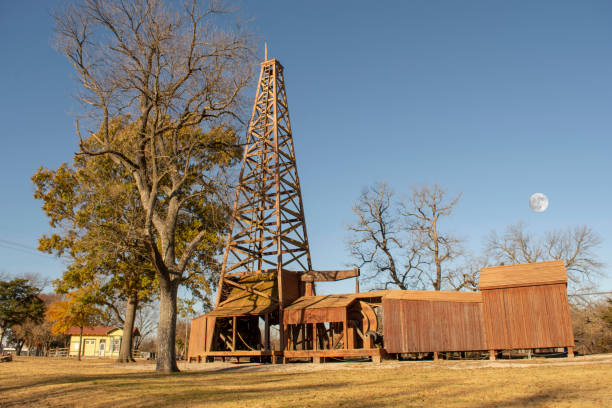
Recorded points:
(402, 244)
(422, 211)
(171, 80)
(466, 274)
(592, 326)
(146, 322)
(575, 246)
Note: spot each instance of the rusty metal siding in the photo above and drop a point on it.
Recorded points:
(197, 336)
(527, 317)
(426, 326)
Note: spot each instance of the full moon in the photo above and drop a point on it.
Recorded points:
(538, 202)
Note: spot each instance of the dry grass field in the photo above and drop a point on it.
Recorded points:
(41, 382)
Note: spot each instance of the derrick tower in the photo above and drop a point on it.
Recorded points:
(267, 248)
(268, 227)
(266, 264)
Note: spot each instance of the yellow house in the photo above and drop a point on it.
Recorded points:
(98, 341)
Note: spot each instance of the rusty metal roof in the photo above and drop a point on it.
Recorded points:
(96, 330)
(509, 276)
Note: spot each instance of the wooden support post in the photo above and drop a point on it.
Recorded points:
(351, 337)
(267, 332)
(281, 331)
(570, 352)
(345, 332)
(315, 342)
(234, 333)
(435, 356)
(356, 285)
(316, 359)
(492, 355)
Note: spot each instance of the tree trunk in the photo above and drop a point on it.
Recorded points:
(80, 343)
(2, 339)
(438, 283)
(125, 352)
(166, 331)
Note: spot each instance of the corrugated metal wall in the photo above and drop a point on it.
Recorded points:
(527, 317)
(411, 326)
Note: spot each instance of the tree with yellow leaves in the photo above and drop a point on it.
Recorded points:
(76, 310)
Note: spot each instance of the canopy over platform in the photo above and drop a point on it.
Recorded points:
(250, 295)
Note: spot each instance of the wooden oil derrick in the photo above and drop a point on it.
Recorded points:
(266, 263)
(268, 227)
(268, 245)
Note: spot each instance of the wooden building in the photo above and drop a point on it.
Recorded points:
(519, 307)
(525, 306)
(431, 321)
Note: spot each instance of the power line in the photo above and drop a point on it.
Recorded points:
(16, 246)
(592, 293)
(6, 241)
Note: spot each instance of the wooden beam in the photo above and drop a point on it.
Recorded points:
(334, 353)
(267, 332)
(328, 276)
(234, 333)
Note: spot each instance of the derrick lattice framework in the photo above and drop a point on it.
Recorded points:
(268, 231)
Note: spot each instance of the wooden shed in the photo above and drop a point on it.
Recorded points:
(427, 321)
(525, 306)
(335, 326)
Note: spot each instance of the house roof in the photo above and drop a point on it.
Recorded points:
(509, 276)
(96, 330)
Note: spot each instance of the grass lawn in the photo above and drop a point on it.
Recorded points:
(39, 382)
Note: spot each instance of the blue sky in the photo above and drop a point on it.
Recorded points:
(493, 99)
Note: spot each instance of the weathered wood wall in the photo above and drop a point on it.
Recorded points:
(292, 287)
(197, 336)
(527, 317)
(315, 315)
(411, 326)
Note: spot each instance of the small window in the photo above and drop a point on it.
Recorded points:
(115, 344)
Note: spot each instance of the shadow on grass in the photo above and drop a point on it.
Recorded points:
(545, 397)
(240, 385)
